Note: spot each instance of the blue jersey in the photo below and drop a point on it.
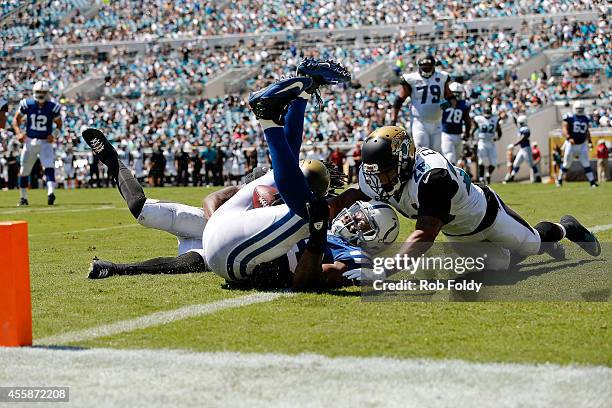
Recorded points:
(524, 135)
(337, 250)
(39, 123)
(578, 127)
(452, 118)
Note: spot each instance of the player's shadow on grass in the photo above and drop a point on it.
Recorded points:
(522, 272)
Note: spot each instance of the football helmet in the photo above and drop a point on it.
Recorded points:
(317, 177)
(457, 89)
(41, 90)
(522, 120)
(387, 160)
(427, 65)
(369, 225)
(578, 108)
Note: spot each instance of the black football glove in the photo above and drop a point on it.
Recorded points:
(318, 221)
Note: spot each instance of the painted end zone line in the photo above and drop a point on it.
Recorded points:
(159, 318)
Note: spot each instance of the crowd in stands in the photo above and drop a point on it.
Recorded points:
(148, 19)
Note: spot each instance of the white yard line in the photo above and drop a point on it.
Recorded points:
(600, 228)
(85, 230)
(159, 318)
(158, 378)
(59, 211)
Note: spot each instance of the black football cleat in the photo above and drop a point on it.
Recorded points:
(51, 199)
(103, 149)
(101, 269)
(594, 184)
(323, 72)
(23, 202)
(272, 102)
(576, 232)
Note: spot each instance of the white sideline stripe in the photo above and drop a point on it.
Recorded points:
(159, 378)
(600, 228)
(85, 230)
(58, 211)
(159, 318)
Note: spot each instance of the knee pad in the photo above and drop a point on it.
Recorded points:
(50, 174)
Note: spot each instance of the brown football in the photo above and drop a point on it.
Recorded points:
(265, 196)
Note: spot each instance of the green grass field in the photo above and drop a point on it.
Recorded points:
(64, 238)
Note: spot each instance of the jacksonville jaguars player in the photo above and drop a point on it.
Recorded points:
(3, 112)
(456, 125)
(422, 184)
(429, 94)
(487, 131)
(43, 126)
(575, 129)
(525, 153)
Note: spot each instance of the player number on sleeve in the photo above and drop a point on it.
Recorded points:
(38, 122)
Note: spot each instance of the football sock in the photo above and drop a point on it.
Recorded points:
(550, 231)
(23, 186)
(288, 176)
(294, 123)
(190, 262)
(130, 189)
(23, 192)
(589, 174)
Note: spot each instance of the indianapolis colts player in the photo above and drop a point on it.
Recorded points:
(525, 153)
(575, 129)
(40, 115)
(456, 125)
(422, 184)
(488, 131)
(234, 248)
(429, 94)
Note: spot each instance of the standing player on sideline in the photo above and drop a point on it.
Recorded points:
(40, 114)
(456, 124)
(525, 153)
(429, 94)
(488, 131)
(575, 129)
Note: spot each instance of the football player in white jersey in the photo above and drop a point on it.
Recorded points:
(488, 131)
(422, 184)
(525, 153)
(429, 94)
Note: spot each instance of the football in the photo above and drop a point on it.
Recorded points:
(265, 196)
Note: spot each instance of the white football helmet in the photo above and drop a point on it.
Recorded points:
(578, 108)
(457, 89)
(41, 90)
(522, 120)
(370, 225)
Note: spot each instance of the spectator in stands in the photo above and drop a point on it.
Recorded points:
(354, 170)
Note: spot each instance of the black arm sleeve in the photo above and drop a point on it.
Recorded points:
(3, 105)
(436, 189)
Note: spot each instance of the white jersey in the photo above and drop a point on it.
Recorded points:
(468, 204)
(170, 166)
(138, 158)
(487, 127)
(426, 94)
